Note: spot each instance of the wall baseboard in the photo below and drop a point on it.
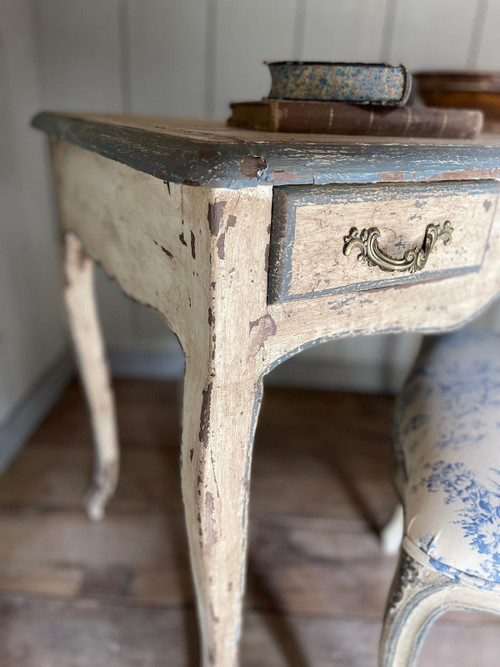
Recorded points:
(169, 365)
(331, 374)
(24, 419)
(165, 365)
(335, 375)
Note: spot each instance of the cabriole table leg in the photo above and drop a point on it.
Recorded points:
(87, 338)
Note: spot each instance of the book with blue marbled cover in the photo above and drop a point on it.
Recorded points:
(352, 83)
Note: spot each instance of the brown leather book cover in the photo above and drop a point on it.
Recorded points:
(338, 118)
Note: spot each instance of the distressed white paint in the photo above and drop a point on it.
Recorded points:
(89, 347)
(418, 596)
(215, 300)
(187, 58)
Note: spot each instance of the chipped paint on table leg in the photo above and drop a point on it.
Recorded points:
(87, 338)
(225, 361)
(219, 423)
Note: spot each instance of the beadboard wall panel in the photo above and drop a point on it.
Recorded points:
(246, 34)
(433, 35)
(167, 51)
(81, 62)
(31, 329)
(343, 30)
(80, 54)
(488, 40)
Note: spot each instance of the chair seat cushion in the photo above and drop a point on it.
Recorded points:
(447, 457)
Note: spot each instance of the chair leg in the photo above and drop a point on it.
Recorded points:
(392, 533)
(218, 429)
(417, 597)
(87, 338)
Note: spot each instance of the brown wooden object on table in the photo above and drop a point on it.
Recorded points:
(464, 89)
(247, 243)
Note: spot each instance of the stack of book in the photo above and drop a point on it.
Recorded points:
(349, 98)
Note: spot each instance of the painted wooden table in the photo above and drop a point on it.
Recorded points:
(245, 242)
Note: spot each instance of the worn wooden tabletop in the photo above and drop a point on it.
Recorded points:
(211, 154)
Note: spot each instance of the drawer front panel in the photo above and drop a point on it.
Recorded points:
(310, 225)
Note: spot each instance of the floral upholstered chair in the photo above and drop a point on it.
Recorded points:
(447, 474)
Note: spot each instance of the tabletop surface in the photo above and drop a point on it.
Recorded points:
(209, 153)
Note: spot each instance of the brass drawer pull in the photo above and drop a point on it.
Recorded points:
(413, 260)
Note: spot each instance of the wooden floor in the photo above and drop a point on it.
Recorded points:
(118, 593)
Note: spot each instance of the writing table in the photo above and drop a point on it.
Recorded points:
(254, 246)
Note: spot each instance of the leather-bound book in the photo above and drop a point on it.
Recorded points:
(338, 118)
(352, 83)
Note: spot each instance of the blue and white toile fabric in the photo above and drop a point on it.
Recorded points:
(447, 457)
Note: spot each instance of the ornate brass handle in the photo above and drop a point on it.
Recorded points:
(413, 260)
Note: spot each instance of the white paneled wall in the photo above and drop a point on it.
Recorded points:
(431, 34)
(190, 58)
(343, 30)
(81, 62)
(246, 34)
(166, 62)
(80, 53)
(487, 53)
(31, 332)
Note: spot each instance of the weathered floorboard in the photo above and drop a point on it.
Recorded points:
(119, 593)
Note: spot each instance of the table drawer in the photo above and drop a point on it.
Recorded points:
(315, 251)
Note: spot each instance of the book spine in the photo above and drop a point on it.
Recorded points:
(352, 83)
(332, 118)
